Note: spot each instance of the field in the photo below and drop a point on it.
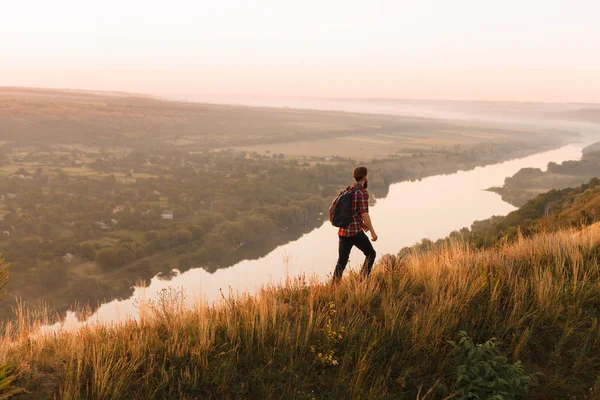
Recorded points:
(89, 121)
(368, 147)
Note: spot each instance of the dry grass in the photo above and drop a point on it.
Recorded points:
(386, 337)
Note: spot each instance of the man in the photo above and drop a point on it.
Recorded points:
(354, 234)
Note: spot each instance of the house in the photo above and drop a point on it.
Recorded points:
(167, 214)
(68, 258)
(11, 196)
(6, 233)
(118, 208)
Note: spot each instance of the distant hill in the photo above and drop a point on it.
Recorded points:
(48, 116)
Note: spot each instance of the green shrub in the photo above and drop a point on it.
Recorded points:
(483, 372)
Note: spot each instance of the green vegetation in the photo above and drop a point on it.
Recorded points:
(483, 372)
(386, 337)
(73, 238)
(549, 212)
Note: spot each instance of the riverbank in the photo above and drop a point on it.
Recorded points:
(391, 334)
(529, 183)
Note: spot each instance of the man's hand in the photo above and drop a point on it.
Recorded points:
(369, 226)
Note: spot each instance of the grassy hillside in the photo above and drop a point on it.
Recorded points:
(387, 337)
(551, 211)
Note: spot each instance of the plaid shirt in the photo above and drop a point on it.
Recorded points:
(360, 205)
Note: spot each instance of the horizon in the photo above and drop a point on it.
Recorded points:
(466, 51)
(188, 98)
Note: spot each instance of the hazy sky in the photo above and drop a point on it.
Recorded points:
(450, 49)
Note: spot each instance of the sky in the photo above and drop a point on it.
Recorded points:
(525, 50)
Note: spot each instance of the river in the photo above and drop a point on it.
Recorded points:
(429, 208)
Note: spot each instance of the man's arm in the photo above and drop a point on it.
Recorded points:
(363, 210)
(369, 225)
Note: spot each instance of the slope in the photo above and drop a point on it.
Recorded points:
(387, 337)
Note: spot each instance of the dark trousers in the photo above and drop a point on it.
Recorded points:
(361, 241)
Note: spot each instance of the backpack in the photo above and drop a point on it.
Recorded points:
(340, 211)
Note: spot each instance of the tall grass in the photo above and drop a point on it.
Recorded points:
(6, 372)
(384, 337)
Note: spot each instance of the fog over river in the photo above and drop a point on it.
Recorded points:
(430, 208)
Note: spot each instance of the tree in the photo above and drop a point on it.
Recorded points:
(107, 258)
(53, 276)
(88, 252)
(197, 231)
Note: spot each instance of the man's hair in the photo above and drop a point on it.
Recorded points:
(359, 173)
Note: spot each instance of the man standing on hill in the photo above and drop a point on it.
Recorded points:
(354, 233)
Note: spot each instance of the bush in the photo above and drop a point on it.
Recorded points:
(107, 258)
(483, 372)
(52, 276)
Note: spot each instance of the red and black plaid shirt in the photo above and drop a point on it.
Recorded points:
(360, 205)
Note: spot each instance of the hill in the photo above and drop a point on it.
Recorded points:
(548, 212)
(387, 337)
(30, 116)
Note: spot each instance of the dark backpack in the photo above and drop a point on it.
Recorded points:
(340, 211)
